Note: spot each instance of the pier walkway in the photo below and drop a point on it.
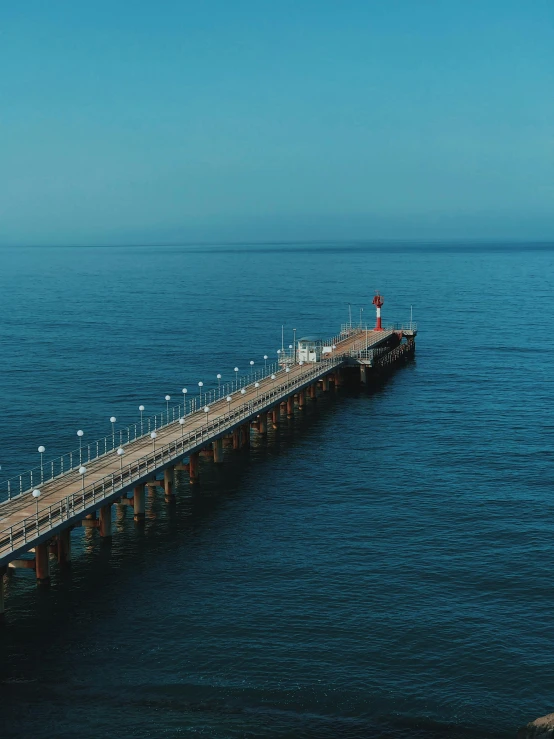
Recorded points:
(72, 497)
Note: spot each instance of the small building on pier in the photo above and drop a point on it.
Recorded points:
(310, 349)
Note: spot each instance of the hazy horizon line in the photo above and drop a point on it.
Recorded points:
(469, 242)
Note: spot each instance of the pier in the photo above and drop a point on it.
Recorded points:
(40, 508)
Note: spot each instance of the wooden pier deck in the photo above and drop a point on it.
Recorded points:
(69, 498)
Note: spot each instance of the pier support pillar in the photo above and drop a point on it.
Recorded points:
(42, 565)
(121, 509)
(2, 595)
(106, 521)
(245, 435)
(325, 384)
(152, 485)
(313, 391)
(194, 475)
(363, 374)
(218, 451)
(338, 379)
(64, 547)
(275, 415)
(290, 405)
(302, 399)
(169, 482)
(138, 503)
(236, 439)
(262, 423)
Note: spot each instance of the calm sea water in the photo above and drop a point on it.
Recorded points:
(379, 567)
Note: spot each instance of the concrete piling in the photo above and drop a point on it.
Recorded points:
(139, 503)
(218, 451)
(245, 435)
(106, 521)
(169, 482)
(262, 424)
(194, 476)
(64, 547)
(42, 564)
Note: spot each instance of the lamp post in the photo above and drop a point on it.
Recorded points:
(242, 391)
(83, 472)
(36, 496)
(294, 343)
(185, 391)
(273, 378)
(361, 315)
(228, 399)
(167, 399)
(120, 453)
(80, 435)
(207, 412)
(349, 315)
(218, 377)
(236, 371)
(257, 385)
(41, 451)
(113, 419)
(265, 363)
(200, 385)
(141, 409)
(287, 370)
(154, 436)
(182, 422)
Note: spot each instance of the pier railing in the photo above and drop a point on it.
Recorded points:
(31, 527)
(288, 356)
(394, 354)
(370, 354)
(409, 327)
(59, 467)
(89, 452)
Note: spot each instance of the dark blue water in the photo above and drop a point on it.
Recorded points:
(379, 567)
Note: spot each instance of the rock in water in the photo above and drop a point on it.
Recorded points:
(540, 728)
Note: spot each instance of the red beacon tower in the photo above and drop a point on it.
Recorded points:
(378, 301)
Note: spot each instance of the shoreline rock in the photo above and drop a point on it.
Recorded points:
(540, 728)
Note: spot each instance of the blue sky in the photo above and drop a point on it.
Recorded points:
(141, 122)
